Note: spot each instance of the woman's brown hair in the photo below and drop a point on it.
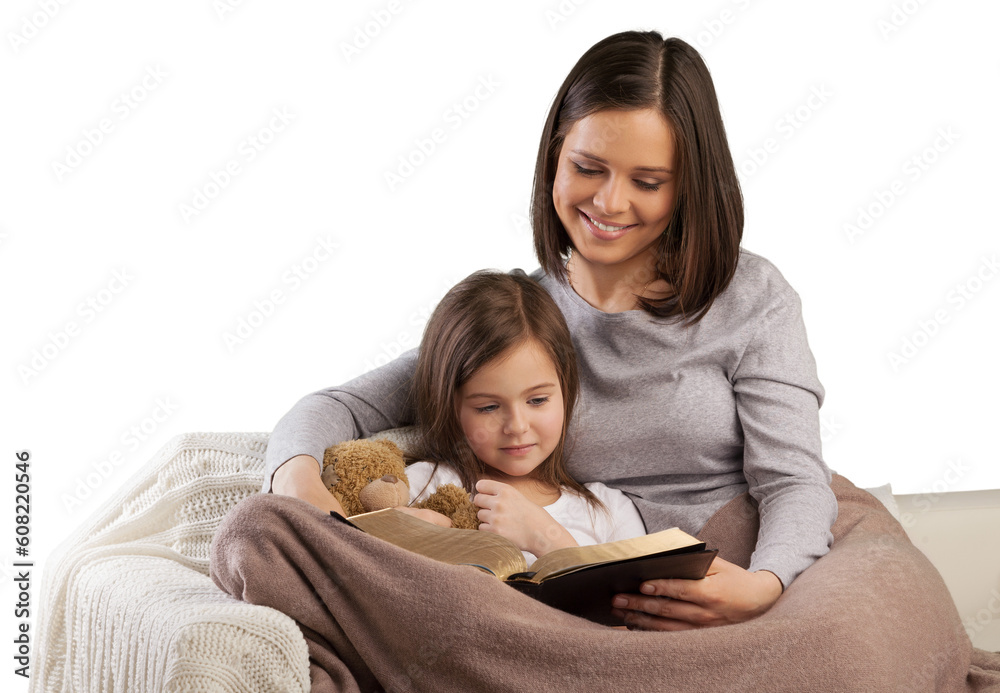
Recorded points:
(480, 319)
(699, 248)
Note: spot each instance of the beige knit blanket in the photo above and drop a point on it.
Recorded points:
(127, 604)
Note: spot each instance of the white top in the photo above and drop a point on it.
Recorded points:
(587, 525)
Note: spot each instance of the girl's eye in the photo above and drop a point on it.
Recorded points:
(487, 409)
(538, 401)
(585, 171)
(652, 187)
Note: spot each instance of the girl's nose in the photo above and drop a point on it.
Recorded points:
(516, 423)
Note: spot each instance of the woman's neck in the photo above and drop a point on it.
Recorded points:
(615, 288)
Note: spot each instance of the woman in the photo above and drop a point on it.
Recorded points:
(697, 385)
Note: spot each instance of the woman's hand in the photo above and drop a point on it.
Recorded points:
(505, 511)
(727, 594)
(299, 477)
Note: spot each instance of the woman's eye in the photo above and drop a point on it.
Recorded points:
(643, 185)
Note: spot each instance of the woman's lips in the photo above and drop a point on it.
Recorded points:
(601, 233)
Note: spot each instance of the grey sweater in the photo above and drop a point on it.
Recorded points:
(680, 419)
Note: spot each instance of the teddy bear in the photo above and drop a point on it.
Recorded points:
(368, 475)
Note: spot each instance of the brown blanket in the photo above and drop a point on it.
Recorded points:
(872, 615)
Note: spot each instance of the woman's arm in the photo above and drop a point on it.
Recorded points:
(778, 396)
(777, 402)
(373, 402)
(297, 477)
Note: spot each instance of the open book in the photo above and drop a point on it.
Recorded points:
(581, 580)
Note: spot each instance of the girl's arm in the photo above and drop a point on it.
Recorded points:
(505, 511)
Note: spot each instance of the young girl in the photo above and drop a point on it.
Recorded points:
(495, 386)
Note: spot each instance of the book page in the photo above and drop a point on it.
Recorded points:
(455, 546)
(573, 557)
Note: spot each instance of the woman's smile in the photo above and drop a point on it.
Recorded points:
(606, 232)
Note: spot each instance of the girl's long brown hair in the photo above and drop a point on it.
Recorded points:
(699, 247)
(480, 319)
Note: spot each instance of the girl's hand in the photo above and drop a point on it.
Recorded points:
(505, 511)
(727, 594)
(432, 516)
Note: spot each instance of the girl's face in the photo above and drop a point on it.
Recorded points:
(614, 186)
(511, 410)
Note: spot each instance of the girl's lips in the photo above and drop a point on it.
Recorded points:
(518, 449)
(602, 234)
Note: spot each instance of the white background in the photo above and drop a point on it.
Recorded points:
(361, 84)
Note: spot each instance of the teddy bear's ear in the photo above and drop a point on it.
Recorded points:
(330, 478)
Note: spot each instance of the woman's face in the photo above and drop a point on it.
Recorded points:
(614, 187)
